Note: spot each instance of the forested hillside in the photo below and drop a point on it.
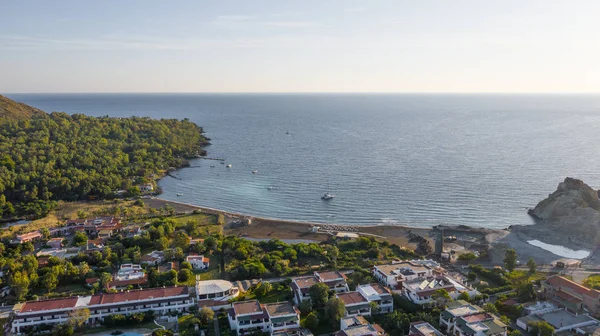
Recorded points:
(50, 157)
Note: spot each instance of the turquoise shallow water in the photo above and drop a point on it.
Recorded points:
(420, 160)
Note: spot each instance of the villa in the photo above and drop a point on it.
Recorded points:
(198, 262)
(31, 314)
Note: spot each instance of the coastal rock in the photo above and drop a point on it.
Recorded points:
(570, 216)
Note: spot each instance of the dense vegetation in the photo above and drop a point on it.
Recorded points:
(50, 157)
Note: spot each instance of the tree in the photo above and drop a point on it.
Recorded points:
(514, 333)
(464, 296)
(184, 275)
(78, 318)
(45, 232)
(472, 276)
(510, 260)
(105, 278)
(263, 289)
(541, 328)
(311, 322)
(185, 265)
(181, 240)
(335, 310)
(532, 265)
(49, 281)
(161, 243)
(490, 308)
(79, 239)
(374, 307)
(441, 297)
(319, 294)
(19, 281)
(206, 315)
(62, 330)
(305, 307)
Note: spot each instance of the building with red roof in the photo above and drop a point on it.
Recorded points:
(571, 295)
(29, 315)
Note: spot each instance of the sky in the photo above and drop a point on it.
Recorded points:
(299, 46)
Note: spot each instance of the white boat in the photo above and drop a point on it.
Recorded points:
(212, 166)
(228, 166)
(254, 171)
(269, 188)
(327, 196)
(178, 194)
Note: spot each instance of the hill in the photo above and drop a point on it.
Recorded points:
(56, 156)
(10, 109)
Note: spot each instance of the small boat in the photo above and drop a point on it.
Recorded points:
(287, 132)
(254, 171)
(327, 196)
(269, 188)
(212, 166)
(222, 162)
(179, 194)
(228, 166)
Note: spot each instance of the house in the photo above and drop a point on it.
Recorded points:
(250, 317)
(173, 265)
(394, 274)
(335, 280)
(153, 258)
(300, 288)
(105, 226)
(560, 319)
(356, 303)
(198, 262)
(423, 329)
(32, 314)
(417, 280)
(28, 237)
(146, 187)
(61, 231)
(358, 326)
(571, 295)
(283, 316)
(217, 290)
(55, 243)
(128, 275)
(196, 241)
(379, 294)
(453, 311)
(43, 261)
(478, 324)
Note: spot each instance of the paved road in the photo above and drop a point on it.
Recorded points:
(217, 331)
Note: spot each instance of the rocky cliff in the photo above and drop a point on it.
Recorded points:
(570, 215)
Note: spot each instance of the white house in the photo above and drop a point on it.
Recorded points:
(217, 290)
(393, 274)
(248, 317)
(335, 280)
(300, 287)
(198, 262)
(423, 329)
(153, 258)
(379, 294)
(282, 316)
(455, 310)
(356, 303)
(358, 326)
(29, 315)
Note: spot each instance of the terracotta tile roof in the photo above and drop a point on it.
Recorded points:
(29, 235)
(380, 289)
(350, 298)
(280, 309)
(121, 283)
(91, 280)
(477, 317)
(558, 281)
(568, 297)
(143, 294)
(205, 260)
(33, 306)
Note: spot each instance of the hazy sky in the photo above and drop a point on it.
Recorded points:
(300, 46)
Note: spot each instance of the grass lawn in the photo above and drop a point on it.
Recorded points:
(207, 222)
(213, 271)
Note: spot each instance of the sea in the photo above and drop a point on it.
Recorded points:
(420, 160)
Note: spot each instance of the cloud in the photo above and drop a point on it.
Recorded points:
(292, 24)
(355, 9)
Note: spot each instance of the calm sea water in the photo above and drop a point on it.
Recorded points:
(420, 160)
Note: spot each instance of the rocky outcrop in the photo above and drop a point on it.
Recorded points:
(570, 215)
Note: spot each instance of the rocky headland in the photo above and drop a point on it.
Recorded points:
(570, 216)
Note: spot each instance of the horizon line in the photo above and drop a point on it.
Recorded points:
(321, 92)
